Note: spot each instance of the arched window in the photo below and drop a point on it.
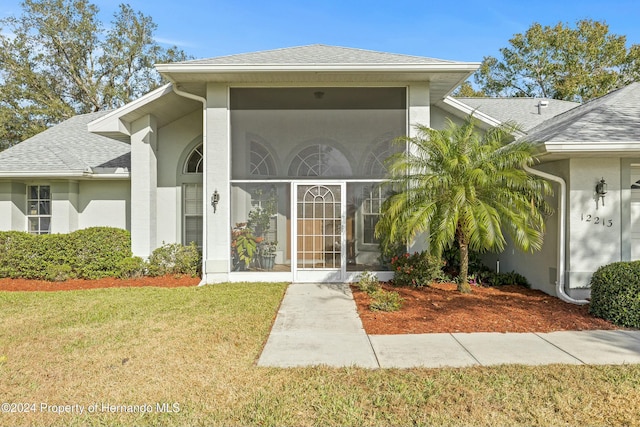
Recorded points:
(320, 160)
(192, 202)
(374, 164)
(262, 162)
(194, 162)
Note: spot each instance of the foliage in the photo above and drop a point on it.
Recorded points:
(560, 62)
(382, 300)
(368, 282)
(615, 293)
(417, 270)
(90, 253)
(132, 268)
(175, 259)
(97, 251)
(57, 60)
(243, 246)
(466, 90)
(491, 278)
(451, 262)
(457, 185)
(260, 217)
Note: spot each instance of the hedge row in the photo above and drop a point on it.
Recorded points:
(615, 293)
(91, 253)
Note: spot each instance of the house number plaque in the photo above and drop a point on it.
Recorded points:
(596, 220)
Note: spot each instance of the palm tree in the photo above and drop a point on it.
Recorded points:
(459, 185)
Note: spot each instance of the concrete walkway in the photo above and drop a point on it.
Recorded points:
(318, 324)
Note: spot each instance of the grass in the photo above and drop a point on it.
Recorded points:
(196, 348)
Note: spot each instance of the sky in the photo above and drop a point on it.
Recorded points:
(462, 30)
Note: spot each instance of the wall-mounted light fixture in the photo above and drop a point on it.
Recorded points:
(601, 190)
(215, 198)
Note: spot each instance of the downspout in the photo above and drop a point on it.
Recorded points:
(203, 100)
(562, 217)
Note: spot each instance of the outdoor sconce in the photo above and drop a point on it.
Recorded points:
(601, 190)
(215, 198)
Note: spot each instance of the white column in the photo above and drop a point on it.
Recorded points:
(144, 184)
(216, 177)
(419, 113)
(419, 106)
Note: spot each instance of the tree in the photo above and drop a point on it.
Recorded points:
(466, 90)
(57, 60)
(573, 64)
(455, 185)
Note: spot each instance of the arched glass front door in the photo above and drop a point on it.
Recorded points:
(319, 232)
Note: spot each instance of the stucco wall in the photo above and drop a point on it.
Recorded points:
(175, 141)
(594, 237)
(104, 203)
(13, 205)
(540, 267)
(439, 118)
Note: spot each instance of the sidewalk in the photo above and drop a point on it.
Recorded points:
(318, 324)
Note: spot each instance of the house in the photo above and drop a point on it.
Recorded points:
(292, 141)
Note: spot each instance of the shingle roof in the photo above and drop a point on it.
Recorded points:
(318, 54)
(523, 111)
(614, 117)
(66, 148)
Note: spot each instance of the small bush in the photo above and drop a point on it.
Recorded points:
(131, 268)
(490, 278)
(615, 293)
(417, 270)
(368, 282)
(175, 259)
(382, 300)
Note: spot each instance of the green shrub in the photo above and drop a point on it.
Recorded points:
(490, 278)
(91, 253)
(97, 251)
(131, 268)
(382, 300)
(58, 272)
(368, 282)
(417, 270)
(175, 258)
(615, 293)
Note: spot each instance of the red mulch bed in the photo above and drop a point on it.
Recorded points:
(74, 284)
(442, 309)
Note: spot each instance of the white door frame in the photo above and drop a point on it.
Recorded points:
(303, 274)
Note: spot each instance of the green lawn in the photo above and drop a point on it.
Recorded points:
(193, 351)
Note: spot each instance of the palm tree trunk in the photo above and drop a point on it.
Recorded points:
(463, 282)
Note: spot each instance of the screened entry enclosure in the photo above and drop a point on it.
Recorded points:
(306, 169)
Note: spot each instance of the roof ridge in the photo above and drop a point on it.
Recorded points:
(317, 45)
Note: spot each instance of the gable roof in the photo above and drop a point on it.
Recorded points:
(319, 64)
(68, 150)
(610, 123)
(526, 112)
(612, 117)
(317, 54)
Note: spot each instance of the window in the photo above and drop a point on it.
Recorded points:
(262, 163)
(371, 213)
(39, 209)
(320, 160)
(194, 161)
(374, 164)
(192, 203)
